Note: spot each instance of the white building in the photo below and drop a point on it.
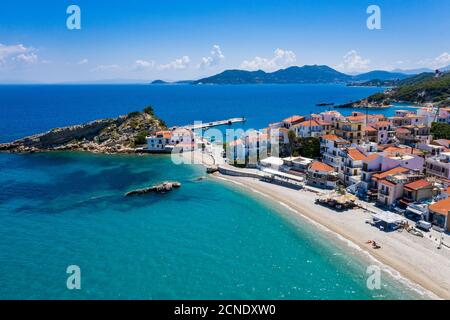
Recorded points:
(331, 147)
(439, 166)
(159, 142)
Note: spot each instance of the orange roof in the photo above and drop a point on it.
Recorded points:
(441, 207)
(395, 170)
(307, 123)
(323, 123)
(404, 150)
(355, 154)
(293, 119)
(320, 166)
(382, 123)
(331, 137)
(369, 128)
(165, 134)
(402, 130)
(418, 184)
(356, 118)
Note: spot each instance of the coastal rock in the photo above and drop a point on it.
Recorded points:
(212, 169)
(158, 188)
(109, 136)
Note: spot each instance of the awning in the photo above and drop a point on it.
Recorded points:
(283, 174)
(414, 211)
(388, 217)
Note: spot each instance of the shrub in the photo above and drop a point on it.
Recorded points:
(133, 114)
(440, 130)
(149, 110)
(140, 137)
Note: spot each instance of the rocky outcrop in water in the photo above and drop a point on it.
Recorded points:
(118, 135)
(159, 188)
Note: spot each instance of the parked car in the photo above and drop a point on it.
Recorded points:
(424, 225)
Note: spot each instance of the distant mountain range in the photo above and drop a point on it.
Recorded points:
(305, 74)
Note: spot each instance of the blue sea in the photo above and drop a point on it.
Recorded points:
(206, 240)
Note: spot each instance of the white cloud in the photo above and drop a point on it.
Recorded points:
(442, 61)
(353, 62)
(107, 67)
(141, 65)
(26, 58)
(214, 59)
(281, 59)
(181, 63)
(83, 61)
(17, 53)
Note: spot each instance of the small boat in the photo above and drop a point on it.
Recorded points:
(324, 104)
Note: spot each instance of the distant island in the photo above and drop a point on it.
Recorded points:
(305, 74)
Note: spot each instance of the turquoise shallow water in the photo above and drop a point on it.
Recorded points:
(203, 241)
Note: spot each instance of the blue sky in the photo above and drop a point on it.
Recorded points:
(174, 40)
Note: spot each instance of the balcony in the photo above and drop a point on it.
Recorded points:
(383, 192)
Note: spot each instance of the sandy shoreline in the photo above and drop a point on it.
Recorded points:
(414, 261)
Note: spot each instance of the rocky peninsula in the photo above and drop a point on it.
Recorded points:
(117, 135)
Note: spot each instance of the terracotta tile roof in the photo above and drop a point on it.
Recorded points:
(418, 184)
(395, 170)
(404, 150)
(369, 128)
(331, 137)
(401, 130)
(294, 118)
(382, 123)
(324, 123)
(355, 154)
(320, 166)
(165, 134)
(356, 118)
(307, 123)
(441, 207)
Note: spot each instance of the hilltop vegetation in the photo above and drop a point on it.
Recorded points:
(422, 88)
